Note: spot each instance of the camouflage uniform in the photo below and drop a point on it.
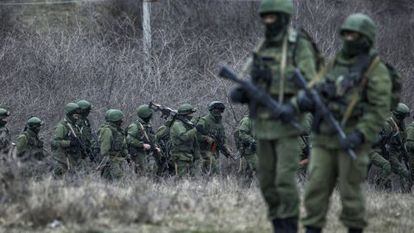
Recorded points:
(5, 138)
(330, 165)
(66, 151)
(185, 151)
(113, 145)
(410, 146)
(211, 137)
(273, 63)
(85, 128)
(162, 138)
(29, 146)
(246, 144)
(138, 134)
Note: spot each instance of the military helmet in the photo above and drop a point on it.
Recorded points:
(34, 121)
(360, 23)
(276, 6)
(114, 115)
(144, 111)
(84, 105)
(186, 109)
(216, 105)
(4, 113)
(402, 109)
(71, 108)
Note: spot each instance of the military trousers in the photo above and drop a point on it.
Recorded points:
(329, 168)
(209, 163)
(384, 165)
(248, 164)
(278, 162)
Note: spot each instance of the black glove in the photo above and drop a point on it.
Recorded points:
(74, 143)
(305, 102)
(287, 113)
(327, 89)
(239, 95)
(353, 140)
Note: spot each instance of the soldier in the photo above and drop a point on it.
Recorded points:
(5, 138)
(390, 146)
(29, 146)
(113, 145)
(246, 144)
(185, 151)
(357, 90)
(162, 138)
(212, 139)
(87, 138)
(66, 149)
(410, 147)
(272, 64)
(140, 136)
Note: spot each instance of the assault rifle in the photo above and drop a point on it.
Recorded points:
(322, 109)
(79, 142)
(169, 112)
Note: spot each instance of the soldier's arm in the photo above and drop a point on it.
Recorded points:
(59, 138)
(105, 141)
(181, 133)
(133, 136)
(305, 59)
(4, 139)
(410, 138)
(245, 133)
(21, 145)
(379, 100)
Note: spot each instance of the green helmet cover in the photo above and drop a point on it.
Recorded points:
(144, 111)
(114, 115)
(402, 109)
(216, 105)
(360, 23)
(186, 109)
(4, 113)
(34, 121)
(276, 6)
(71, 108)
(84, 105)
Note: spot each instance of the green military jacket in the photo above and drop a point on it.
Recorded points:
(213, 129)
(289, 50)
(372, 106)
(410, 137)
(61, 149)
(5, 140)
(392, 137)
(135, 135)
(29, 146)
(112, 141)
(184, 144)
(245, 138)
(86, 132)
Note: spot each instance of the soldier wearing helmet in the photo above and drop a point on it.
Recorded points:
(113, 145)
(212, 140)
(5, 138)
(29, 146)
(87, 135)
(270, 67)
(357, 90)
(185, 150)
(410, 147)
(66, 148)
(140, 136)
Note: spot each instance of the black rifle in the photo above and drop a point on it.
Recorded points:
(81, 144)
(169, 112)
(322, 109)
(257, 95)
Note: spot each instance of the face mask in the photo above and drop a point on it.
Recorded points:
(85, 114)
(275, 28)
(189, 117)
(399, 117)
(35, 129)
(354, 48)
(146, 120)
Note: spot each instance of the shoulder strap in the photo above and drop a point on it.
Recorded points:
(356, 95)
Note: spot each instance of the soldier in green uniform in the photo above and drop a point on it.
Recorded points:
(246, 144)
(89, 142)
(5, 138)
(185, 151)
(271, 66)
(29, 146)
(66, 149)
(162, 138)
(140, 136)
(212, 139)
(390, 146)
(357, 90)
(409, 144)
(113, 145)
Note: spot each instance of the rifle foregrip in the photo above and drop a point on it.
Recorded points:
(227, 73)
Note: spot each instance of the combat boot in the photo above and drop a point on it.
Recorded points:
(313, 230)
(290, 225)
(278, 225)
(355, 230)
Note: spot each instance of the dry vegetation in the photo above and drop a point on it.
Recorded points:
(98, 56)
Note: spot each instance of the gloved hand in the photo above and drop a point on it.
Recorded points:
(353, 140)
(74, 143)
(287, 113)
(327, 89)
(305, 102)
(239, 95)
